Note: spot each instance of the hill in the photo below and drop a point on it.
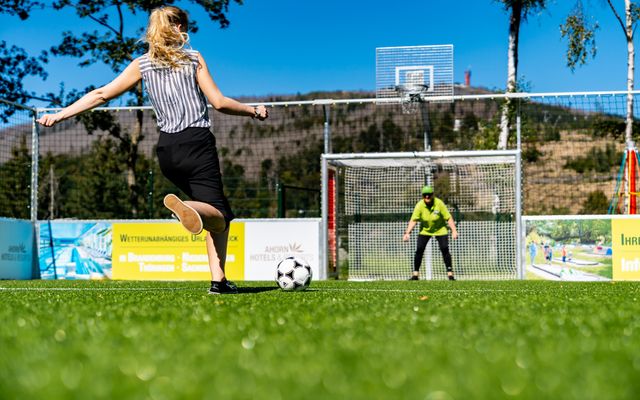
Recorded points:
(286, 148)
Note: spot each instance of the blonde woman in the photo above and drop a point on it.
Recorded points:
(179, 84)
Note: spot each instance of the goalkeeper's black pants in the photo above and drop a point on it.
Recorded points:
(443, 243)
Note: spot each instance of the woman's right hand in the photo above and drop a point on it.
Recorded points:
(261, 113)
(50, 119)
(405, 237)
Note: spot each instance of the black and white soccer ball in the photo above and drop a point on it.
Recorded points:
(293, 274)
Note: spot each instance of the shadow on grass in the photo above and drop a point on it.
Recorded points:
(242, 290)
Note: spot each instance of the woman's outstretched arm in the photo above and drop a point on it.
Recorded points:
(125, 81)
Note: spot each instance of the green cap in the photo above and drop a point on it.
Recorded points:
(427, 190)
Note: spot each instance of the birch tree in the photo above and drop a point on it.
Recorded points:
(581, 43)
(519, 11)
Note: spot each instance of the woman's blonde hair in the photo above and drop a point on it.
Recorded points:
(166, 41)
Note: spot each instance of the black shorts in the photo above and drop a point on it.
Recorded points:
(189, 159)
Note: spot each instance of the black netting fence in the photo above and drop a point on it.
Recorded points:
(103, 164)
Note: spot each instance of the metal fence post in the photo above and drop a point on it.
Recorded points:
(518, 185)
(281, 200)
(324, 223)
(35, 152)
(324, 193)
(150, 190)
(327, 129)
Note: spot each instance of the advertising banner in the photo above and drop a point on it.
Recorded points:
(16, 249)
(75, 249)
(582, 248)
(270, 241)
(165, 251)
(626, 249)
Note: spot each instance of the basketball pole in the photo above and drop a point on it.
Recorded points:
(426, 126)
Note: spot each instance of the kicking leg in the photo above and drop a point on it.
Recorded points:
(196, 215)
(212, 218)
(187, 215)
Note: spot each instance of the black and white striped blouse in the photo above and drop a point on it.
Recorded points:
(175, 95)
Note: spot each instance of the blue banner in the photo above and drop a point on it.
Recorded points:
(16, 249)
(75, 249)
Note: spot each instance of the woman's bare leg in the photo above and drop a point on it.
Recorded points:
(213, 222)
(212, 218)
(217, 253)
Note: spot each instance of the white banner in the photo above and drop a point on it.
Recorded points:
(16, 249)
(267, 242)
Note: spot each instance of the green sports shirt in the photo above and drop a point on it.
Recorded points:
(433, 220)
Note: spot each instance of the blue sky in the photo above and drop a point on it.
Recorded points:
(295, 46)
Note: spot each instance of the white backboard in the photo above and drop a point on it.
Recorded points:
(426, 67)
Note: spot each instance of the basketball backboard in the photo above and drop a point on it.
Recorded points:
(420, 71)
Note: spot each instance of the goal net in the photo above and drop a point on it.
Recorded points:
(369, 199)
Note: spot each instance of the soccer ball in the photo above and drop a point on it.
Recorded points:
(293, 274)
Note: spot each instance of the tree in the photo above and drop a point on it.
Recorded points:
(16, 181)
(15, 63)
(109, 45)
(581, 42)
(596, 203)
(518, 10)
(21, 8)
(580, 33)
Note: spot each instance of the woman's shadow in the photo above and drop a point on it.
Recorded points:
(257, 289)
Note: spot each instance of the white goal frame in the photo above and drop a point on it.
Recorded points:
(330, 258)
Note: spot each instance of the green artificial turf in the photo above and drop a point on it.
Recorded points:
(337, 340)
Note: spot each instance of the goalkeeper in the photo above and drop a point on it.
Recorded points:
(434, 217)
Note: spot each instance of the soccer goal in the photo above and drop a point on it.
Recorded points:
(368, 199)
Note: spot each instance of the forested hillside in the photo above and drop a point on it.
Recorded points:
(570, 156)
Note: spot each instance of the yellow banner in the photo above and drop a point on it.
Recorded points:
(234, 268)
(625, 234)
(165, 251)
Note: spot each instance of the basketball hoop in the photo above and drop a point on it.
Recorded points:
(411, 97)
(410, 75)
